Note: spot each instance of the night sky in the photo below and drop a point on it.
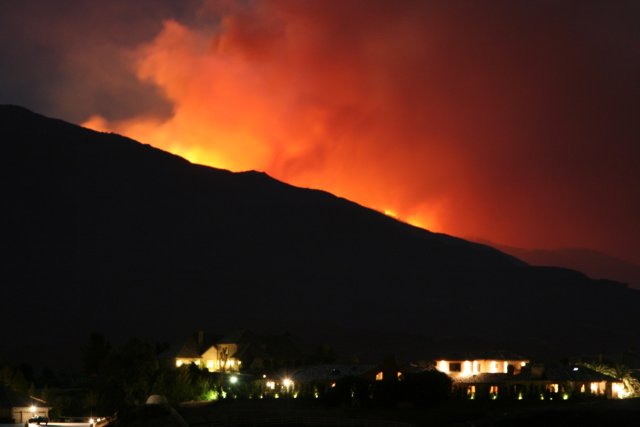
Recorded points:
(513, 121)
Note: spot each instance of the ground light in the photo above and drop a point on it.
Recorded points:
(233, 379)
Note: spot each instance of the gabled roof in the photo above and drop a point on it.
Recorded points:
(196, 344)
(483, 355)
(10, 398)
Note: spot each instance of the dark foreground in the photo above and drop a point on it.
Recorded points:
(453, 413)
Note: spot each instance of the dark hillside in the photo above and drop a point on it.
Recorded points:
(104, 233)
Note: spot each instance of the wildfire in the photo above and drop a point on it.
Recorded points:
(302, 120)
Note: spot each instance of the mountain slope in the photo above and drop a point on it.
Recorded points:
(104, 233)
(593, 263)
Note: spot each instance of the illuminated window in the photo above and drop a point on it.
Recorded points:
(493, 367)
(443, 366)
(379, 376)
(399, 375)
(466, 368)
(582, 388)
(475, 367)
(471, 392)
(493, 390)
(179, 363)
(210, 364)
(553, 388)
(594, 388)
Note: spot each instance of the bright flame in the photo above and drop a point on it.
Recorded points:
(304, 121)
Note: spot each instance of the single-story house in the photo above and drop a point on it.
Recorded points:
(17, 408)
(541, 381)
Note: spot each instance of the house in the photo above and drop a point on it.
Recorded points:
(547, 381)
(216, 353)
(481, 363)
(18, 408)
(239, 350)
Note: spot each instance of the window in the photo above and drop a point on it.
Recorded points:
(471, 392)
(379, 376)
(455, 367)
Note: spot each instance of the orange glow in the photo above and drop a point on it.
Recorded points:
(237, 111)
(414, 110)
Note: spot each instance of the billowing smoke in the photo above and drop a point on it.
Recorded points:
(513, 121)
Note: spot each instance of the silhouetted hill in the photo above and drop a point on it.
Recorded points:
(595, 264)
(104, 233)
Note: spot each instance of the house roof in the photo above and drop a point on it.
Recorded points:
(10, 398)
(330, 372)
(562, 372)
(486, 379)
(196, 344)
(483, 355)
(250, 345)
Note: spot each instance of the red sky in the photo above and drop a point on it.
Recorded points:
(512, 121)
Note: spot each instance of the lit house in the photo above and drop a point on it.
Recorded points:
(17, 408)
(541, 382)
(239, 350)
(213, 352)
(485, 363)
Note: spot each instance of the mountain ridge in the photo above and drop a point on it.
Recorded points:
(112, 235)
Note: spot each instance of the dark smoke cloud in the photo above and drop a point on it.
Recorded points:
(515, 121)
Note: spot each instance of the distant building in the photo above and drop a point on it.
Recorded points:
(540, 381)
(239, 350)
(457, 366)
(18, 408)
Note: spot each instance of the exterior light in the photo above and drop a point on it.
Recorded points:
(287, 382)
(33, 409)
(575, 368)
(233, 379)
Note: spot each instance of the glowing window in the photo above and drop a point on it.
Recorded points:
(379, 376)
(466, 368)
(179, 363)
(210, 364)
(493, 367)
(493, 389)
(471, 392)
(594, 388)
